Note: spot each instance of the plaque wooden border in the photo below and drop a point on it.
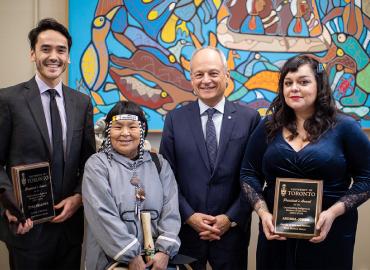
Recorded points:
(15, 173)
(318, 205)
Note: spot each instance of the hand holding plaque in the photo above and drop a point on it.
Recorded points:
(7, 201)
(33, 191)
(297, 206)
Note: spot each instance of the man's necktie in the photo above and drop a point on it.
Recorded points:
(57, 163)
(211, 140)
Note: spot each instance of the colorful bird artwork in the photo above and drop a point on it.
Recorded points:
(94, 61)
(141, 50)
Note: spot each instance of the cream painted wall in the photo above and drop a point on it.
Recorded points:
(19, 16)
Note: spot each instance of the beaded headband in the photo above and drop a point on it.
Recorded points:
(125, 117)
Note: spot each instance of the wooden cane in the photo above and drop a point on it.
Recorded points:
(149, 250)
(148, 238)
(148, 241)
(147, 234)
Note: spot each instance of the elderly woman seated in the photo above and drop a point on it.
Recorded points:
(119, 182)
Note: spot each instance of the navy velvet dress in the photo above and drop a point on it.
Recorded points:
(340, 154)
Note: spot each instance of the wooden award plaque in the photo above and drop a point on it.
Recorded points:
(33, 191)
(297, 206)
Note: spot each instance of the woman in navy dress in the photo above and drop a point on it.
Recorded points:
(306, 137)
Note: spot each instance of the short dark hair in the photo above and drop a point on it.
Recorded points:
(284, 116)
(48, 24)
(126, 107)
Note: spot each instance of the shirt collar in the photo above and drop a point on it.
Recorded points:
(220, 106)
(43, 87)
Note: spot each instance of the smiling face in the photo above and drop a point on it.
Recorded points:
(300, 90)
(51, 56)
(125, 137)
(209, 76)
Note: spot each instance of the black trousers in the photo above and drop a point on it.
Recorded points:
(57, 253)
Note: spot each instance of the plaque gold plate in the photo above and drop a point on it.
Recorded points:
(297, 206)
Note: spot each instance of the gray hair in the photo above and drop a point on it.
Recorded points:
(220, 53)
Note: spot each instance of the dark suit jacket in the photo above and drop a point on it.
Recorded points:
(24, 139)
(183, 145)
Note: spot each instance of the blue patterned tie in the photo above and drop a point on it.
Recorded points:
(57, 163)
(211, 140)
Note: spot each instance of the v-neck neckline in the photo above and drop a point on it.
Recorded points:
(290, 146)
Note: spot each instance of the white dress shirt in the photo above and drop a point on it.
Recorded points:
(217, 117)
(45, 99)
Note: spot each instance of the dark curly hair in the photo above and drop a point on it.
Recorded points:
(283, 116)
(48, 24)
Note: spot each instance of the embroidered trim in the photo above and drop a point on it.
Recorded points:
(168, 239)
(119, 254)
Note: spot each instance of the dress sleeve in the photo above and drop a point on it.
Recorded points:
(251, 175)
(169, 222)
(357, 153)
(102, 214)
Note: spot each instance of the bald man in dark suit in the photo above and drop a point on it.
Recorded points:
(204, 143)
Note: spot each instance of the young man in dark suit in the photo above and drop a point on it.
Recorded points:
(204, 142)
(42, 120)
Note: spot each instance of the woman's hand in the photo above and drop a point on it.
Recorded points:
(137, 263)
(326, 220)
(159, 261)
(268, 226)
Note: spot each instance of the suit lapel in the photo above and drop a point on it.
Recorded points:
(33, 98)
(195, 126)
(227, 126)
(70, 114)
